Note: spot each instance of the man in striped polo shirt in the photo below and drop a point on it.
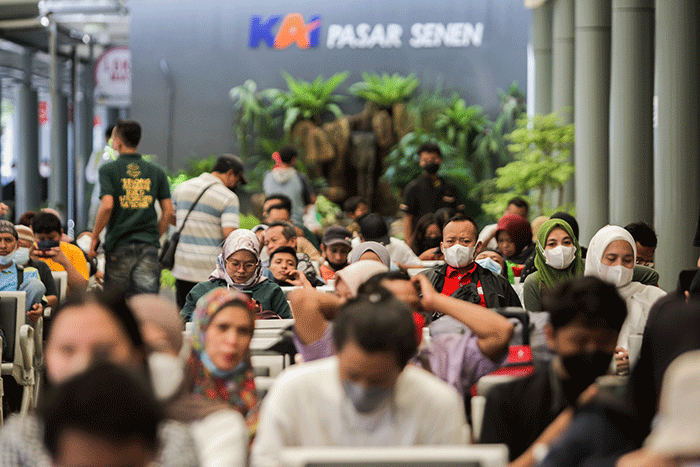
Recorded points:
(213, 218)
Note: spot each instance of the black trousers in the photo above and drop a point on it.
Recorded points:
(182, 288)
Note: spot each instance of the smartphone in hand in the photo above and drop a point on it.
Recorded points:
(45, 245)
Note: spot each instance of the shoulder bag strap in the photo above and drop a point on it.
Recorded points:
(192, 207)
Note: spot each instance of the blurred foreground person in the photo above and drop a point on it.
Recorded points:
(103, 417)
(586, 317)
(86, 329)
(219, 431)
(219, 367)
(364, 396)
(675, 439)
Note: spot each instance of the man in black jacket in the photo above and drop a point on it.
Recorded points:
(463, 278)
(586, 315)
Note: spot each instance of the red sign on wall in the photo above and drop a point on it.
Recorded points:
(113, 77)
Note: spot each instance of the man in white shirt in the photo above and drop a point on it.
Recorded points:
(365, 395)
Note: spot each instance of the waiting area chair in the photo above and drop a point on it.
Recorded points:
(20, 360)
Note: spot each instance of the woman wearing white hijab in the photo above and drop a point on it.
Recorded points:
(238, 267)
(611, 257)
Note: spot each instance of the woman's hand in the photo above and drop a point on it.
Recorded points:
(622, 361)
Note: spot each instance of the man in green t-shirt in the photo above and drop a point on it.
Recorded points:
(129, 188)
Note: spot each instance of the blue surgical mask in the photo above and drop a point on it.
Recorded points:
(7, 259)
(218, 373)
(364, 399)
(491, 265)
(21, 256)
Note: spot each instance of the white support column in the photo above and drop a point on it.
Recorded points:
(631, 97)
(677, 146)
(563, 72)
(591, 114)
(542, 45)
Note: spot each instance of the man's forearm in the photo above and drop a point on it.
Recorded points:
(101, 220)
(493, 330)
(163, 224)
(407, 228)
(76, 281)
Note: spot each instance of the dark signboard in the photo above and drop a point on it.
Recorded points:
(205, 48)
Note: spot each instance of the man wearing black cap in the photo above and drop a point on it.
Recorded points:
(373, 229)
(335, 247)
(213, 218)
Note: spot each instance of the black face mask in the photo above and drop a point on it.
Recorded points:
(583, 369)
(337, 266)
(431, 242)
(431, 168)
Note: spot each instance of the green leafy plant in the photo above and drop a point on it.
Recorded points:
(541, 147)
(402, 161)
(427, 106)
(308, 101)
(196, 168)
(327, 210)
(459, 126)
(255, 119)
(385, 90)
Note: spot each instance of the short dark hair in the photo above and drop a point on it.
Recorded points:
(642, 233)
(431, 148)
(288, 230)
(444, 215)
(285, 249)
(46, 223)
(284, 202)
(108, 131)
(377, 323)
(519, 202)
(26, 218)
(227, 162)
(105, 400)
(462, 218)
(129, 131)
(585, 300)
(288, 153)
(351, 204)
(374, 283)
(113, 301)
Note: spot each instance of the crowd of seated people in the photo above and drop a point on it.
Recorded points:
(389, 339)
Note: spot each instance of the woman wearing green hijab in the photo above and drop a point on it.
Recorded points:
(557, 257)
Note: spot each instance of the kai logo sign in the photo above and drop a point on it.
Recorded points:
(292, 30)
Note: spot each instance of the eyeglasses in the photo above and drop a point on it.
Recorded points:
(247, 267)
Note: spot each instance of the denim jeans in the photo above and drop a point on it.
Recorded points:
(133, 267)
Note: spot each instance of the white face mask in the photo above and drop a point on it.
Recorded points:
(490, 264)
(459, 256)
(618, 275)
(7, 259)
(167, 373)
(84, 243)
(22, 255)
(560, 257)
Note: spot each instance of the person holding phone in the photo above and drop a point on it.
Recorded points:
(238, 267)
(60, 256)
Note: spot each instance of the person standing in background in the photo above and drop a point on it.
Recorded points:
(129, 187)
(212, 219)
(286, 180)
